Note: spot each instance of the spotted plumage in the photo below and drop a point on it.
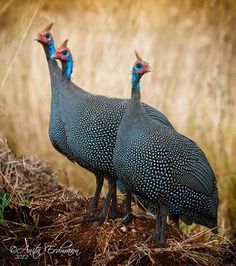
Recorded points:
(91, 123)
(162, 166)
(56, 128)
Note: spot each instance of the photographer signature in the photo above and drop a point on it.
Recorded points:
(25, 252)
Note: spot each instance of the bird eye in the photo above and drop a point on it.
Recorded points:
(64, 52)
(47, 35)
(139, 65)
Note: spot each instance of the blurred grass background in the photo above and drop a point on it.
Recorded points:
(191, 46)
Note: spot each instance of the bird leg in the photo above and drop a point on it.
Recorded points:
(99, 183)
(114, 209)
(103, 214)
(157, 227)
(161, 217)
(128, 212)
(111, 192)
(92, 216)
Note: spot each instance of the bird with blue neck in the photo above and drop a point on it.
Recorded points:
(56, 127)
(64, 55)
(164, 167)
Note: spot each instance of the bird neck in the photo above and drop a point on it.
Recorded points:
(54, 70)
(49, 50)
(67, 68)
(132, 116)
(135, 95)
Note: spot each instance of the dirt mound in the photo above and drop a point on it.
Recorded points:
(25, 174)
(49, 229)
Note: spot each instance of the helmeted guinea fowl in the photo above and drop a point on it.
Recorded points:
(56, 128)
(64, 55)
(163, 166)
(91, 123)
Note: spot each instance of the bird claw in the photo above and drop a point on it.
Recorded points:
(160, 244)
(114, 214)
(129, 218)
(90, 217)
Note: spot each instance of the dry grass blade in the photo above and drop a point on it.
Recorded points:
(5, 7)
(138, 253)
(20, 45)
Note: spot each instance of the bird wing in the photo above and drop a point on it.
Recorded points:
(197, 174)
(157, 115)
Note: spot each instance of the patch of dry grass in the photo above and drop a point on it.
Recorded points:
(24, 178)
(189, 44)
(55, 214)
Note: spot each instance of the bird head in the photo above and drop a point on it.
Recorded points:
(45, 37)
(62, 53)
(140, 67)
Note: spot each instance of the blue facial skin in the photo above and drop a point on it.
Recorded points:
(49, 48)
(67, 63)
(69, 66)
(136, 77)
(52, 49)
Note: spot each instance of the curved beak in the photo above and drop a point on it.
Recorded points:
(36, 38)
(147, 69)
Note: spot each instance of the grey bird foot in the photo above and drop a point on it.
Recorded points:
(160, 244)
(159, 240)
(129, 218)
(114, 210)
(91, 217)
(114, 214)
(100, 220)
